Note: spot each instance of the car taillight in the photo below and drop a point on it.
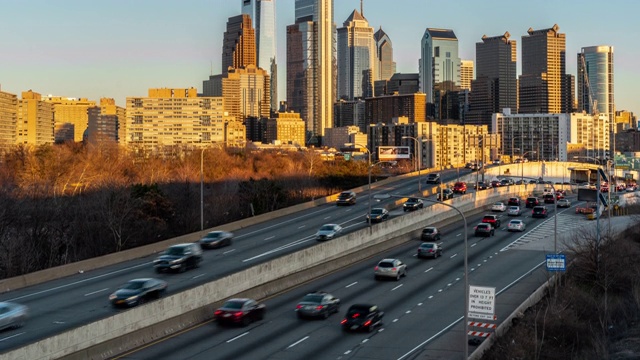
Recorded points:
(218, 312)
(319, 307)
(375, 268)
(355, 315)
(299, 307)
(344, 321)
(430, 250)
(238, 313)
(367, 323)
(394, 269)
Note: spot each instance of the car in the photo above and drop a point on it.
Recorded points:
(631, 188)
(317, 304)
(362, 317)
(495, 183)
(497, 162)
(445, 194)
(506, 182)
(390, 268)
(412, 204)
(516, 225)
(378, 215)
(513, 201)
(346, 198)
(430, 233)
(514, 211)
(460, 187)
(483, 229)
(499, 206)
(328, 232)
(483, 186)
(241, 311)
(560, 194)
(179, 258)
(547, 190)
(549, 198)
(621, 187)
(429, 249)
(12, 315)
(563, 203)
(532, 201)
(492, 220)
(433, 178)
(539, 212)
(216, 239)
(137, 292)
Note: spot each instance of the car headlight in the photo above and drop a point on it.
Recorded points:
(112, 297)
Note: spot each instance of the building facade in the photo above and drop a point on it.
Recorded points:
(382, 109)
(286, 128)
(356, 58)
(595, 80)
(338, 136)
(466, 74)
(439, 61)
(384, 55)
(36, 122)
(239, 43)
(8, 120)
(70, 113)
(350, 113)
(107, 122)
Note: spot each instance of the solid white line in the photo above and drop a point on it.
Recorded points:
(237, 337)
(298, 342)
(350, 285)
(95, 292)
(12, 336)
(228, 251)
(397, 287)
(269, 238)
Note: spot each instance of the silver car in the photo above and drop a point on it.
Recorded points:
(514, 211)
(216, 239)
(12, 315)
(391, 268)
(563, 203)
(328, 232)
(516, 225)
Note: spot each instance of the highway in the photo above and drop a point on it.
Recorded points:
(423, 311)
(73, 301)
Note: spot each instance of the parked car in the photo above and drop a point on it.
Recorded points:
(346, 198)
(513, 201)
(492, 220)
(433, 178)
(216, 239)
(240, 311)
(362, 317)
(137, 292)
(12, 315)
(483, 229)
(516, 225)
(514, 211)
(445, 194)
(564, 203)
(499, 206)
(549, 198)
(392, 268)
(328, 232)
(179, 257)
(430, 233)
(532, 201)
(412, 204)
(539, 212)
(378, 215)
(318, 304)
(429, 249)
(460, 187)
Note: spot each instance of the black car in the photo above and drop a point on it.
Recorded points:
(549, 198)
(483, 229)
(318, 304)
(179, 258)
(506, 182)
(346, 198)
(532, 202)
(413, 204)
(496, 183)
(240, 311)
(445, 194)
(138, 291)
(362, 317)
(539, 212)
(433, 179)
(482, 186)
(216, 239)
(430, 233)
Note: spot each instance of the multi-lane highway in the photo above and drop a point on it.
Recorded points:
(423, 311)
(67, 303)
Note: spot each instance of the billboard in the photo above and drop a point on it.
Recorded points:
(387, 153)
(587, 195)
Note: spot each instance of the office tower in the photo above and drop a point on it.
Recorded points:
(494, 88)
(595, 80)
(543, 72)
(350, 113)
(35, 120)
(356, 58)
(466, 74)
(311, 66)
(384, 51)
(70, 114)
(263, 13)
(439, 61)
(239, 43)
(8, 119)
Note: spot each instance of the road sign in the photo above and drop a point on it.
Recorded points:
(482, 301)
(556, 262)
(482, 316)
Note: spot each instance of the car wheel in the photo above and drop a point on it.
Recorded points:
(493, 233)
(398, 276)
(246, 321)
(18, 324)
(406, 272)
(376, 277)
(326, 315)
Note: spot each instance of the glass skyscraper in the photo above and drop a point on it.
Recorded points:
(595, 64)
(356, 58)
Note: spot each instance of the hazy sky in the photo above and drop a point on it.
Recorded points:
(120, 48)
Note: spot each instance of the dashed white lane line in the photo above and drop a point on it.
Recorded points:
(228, 251)
(452, 256)
(95, 292)
(458, 235)
(297, 342)
(300, 227)
(474, 244)
(237, 337)
(328, 217)
(350, 285)
(269, 238)
(397, 287)
(429, 269)
(197, 276)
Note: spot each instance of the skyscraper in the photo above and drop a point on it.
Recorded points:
(595, 80)
(239, 43)
(543, 77)
(384, 51)
(356, 58)
(311, 65)
(439, 61)
(466, 74)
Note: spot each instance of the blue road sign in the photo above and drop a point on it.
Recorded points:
(556, 262)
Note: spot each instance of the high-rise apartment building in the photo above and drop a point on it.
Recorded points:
(466, 74)
(8, 119)
(239, 43)
(543, 79)
(384, 53)
(36, 122)
(595, 81)
(439, 61)
(311, 66)
(356, 58)
(107, 122)
(70, 113)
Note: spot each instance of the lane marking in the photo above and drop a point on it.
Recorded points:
(12, 336)
(237, 337)
(458, 235)
(269, 238)
(300, 227)
(474, 244)
(397, 287)
(365, 340)
(297, 342)
(328, 217)
(95, 292)
(395, 320)
(350, 285)
(347, 352)
(286, 246)
(197, 276)
(419, 304)
(452, 256)
(228, 251)
(429, 269)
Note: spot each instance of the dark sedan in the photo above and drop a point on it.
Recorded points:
(216, 239)
(240, 311)
(137, 292)
(318, 304)
(413, 204)
(445, 194)
(362, 317)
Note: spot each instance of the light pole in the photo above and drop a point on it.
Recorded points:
(369, 166)
(202, 189)
(522, 164)
(418, 159)
(598, 205)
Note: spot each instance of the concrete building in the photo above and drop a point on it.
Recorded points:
(350, 113)
(286, 128)
(36, 122)
(625, 120)
(169, 121)
(357, 58)
(382, 109)
(543, 79)
(466, 74)
(338, 136)
(107, 122)
(239, 43)
(384, 54)
(628, 140)
(8, 120)
(70, 112)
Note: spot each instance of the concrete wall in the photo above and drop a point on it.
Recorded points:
(196, 305)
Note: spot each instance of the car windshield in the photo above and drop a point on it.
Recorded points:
(213, 235)
(326, 228)
(428, 230)
(488, 218)
(427, 246)
(513, 208)
(483, 226)
(385, 264)
(498, 204)
(233, 304)
(376, 211)
(412, 200)
(538, 210)
(515, 222)
(133, 285)
(344, 195)
(175, 251)
(312, 298)
(459, 184)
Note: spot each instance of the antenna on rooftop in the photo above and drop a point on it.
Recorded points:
(361, 8)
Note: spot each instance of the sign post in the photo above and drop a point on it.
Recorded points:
(556, 262)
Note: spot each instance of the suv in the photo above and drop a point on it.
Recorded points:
(549, 198)
(539, 212)
(392, 268)
(362, 317)
(532, 201)
(430, 233)
(513, 201)
(433, 178)
(460, 187)
(446, 194)
(492, 220)
(179, 257)
(346, 198)
(484, 229)
(318, 304)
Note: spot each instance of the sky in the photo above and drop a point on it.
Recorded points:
(121, 48)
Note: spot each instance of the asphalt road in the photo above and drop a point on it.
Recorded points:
(423, 311)
(73, 301)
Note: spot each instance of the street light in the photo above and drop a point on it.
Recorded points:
(598, 200)
(418, 159)
(522, 164)
(369, 190)
(369, 166)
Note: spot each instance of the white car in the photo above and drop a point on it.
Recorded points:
(328, 232)
(499, 206)
(514, 211)
(516, 225)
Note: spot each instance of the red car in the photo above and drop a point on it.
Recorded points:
(491, 219)
(460, 187)
(240, 311)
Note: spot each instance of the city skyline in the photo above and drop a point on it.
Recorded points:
(127, 52)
